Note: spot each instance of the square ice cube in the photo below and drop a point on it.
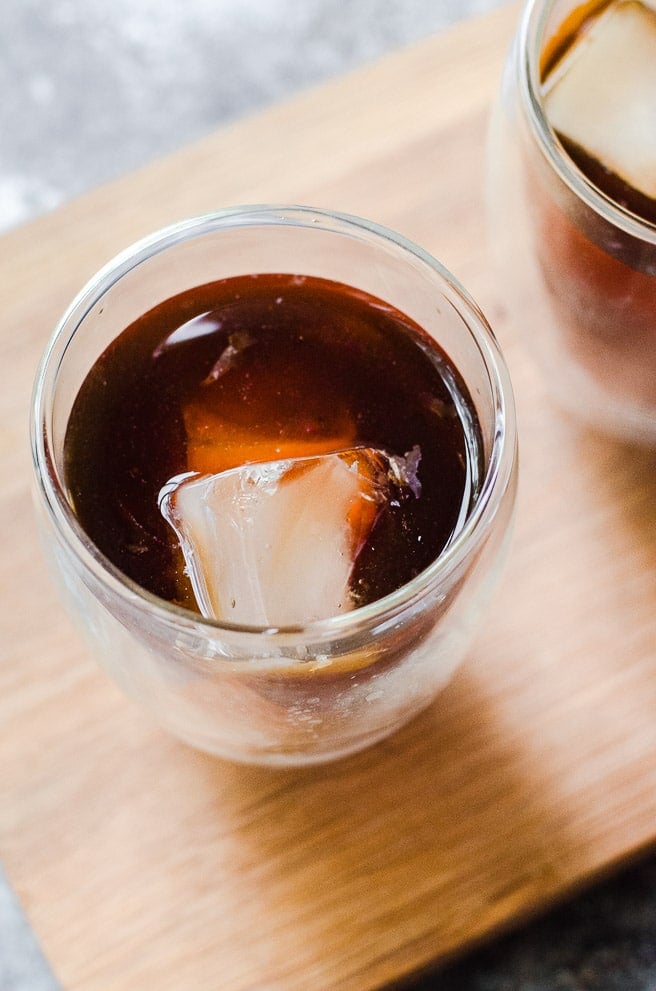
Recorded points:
(602, 96)
(274, 543)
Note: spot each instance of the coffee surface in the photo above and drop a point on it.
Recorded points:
(254, 369)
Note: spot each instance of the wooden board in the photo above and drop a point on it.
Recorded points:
(143, 864)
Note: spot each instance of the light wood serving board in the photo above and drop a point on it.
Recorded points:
(143, 864)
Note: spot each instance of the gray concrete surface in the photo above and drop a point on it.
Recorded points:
(94, 89)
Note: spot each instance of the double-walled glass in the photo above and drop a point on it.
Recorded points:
(297, 695)
(578, 270)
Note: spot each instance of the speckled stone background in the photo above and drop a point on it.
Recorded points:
(93, 89)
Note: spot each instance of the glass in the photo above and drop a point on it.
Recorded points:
(296, 695)
(578, 269)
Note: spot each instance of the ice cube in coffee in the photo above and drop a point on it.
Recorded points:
(600, 99)
(276, 543)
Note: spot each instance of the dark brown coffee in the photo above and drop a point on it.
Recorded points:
(258, 368)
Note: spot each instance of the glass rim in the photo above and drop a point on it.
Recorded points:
(496, 477)
(530, 38)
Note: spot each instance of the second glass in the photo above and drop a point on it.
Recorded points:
(578, 266)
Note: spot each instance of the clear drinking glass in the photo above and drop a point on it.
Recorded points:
(295, 695)
(578, 269)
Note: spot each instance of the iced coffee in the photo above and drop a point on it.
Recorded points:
(573, 197)
(275, 452)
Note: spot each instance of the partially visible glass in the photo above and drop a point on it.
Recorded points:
(578, 269)
(298, 695)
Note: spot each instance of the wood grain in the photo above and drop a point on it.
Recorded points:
(143, 864)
